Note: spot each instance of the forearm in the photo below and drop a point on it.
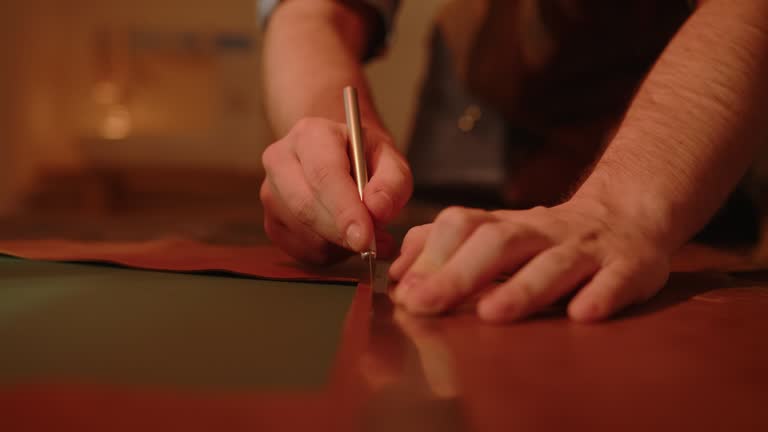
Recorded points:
(693, 127)
(312, 49)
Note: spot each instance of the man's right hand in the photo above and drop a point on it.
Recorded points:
(312, 209)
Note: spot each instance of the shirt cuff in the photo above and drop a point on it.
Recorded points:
(385, 11)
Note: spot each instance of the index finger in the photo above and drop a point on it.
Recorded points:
(323, 155)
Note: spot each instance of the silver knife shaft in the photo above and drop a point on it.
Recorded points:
(357, 150)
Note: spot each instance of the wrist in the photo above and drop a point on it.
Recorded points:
(628, 213)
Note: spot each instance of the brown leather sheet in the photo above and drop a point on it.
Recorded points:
(184, 255)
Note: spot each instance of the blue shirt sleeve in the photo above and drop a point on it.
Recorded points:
(265, 9)
(385, 9)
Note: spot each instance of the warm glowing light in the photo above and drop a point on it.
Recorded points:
(117, 123)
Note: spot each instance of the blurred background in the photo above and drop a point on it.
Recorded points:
(113, 105)
(110, 108)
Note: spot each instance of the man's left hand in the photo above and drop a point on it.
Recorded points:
(547, 253)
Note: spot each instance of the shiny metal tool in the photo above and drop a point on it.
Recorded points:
(359, 168)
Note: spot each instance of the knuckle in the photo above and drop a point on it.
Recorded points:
(396, 176)
(403, 179)
(494, 234)
(415, 236)
(562, 255)
(453, 217)
(310, 130)
(403, 168)
(578, 251)
(397, 186)
(305, 126)
(491, 230)
(269, 157)
(576, 254)
(504, 235)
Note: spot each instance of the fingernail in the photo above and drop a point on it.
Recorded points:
(405, 287)
(496, 311)
(355, 237)
(380, 204)
(584, 312)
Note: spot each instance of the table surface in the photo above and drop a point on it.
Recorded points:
(694, 357)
